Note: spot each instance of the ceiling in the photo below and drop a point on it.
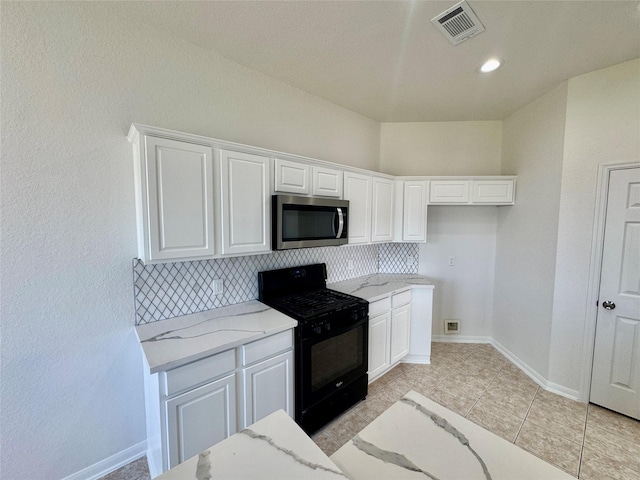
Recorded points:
(387, 61)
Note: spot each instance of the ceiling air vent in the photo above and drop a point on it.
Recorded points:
(458, 23)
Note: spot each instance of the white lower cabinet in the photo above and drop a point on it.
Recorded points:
(200, 418)
(400, 332)
(194, 406)
(378, 345)
(389, 332)
(268, 386)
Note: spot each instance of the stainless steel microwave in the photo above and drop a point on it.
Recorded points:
(300, 222)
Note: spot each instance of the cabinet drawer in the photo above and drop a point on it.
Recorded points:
(379, 307)
(261, 349)
(198, 372)
(400, 299)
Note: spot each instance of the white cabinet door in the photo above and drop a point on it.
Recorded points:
(200, 418)
(327, 182)
(291, 177)
(492, 192)
(414, 212)
(378, 345)
(268, 386)
(179, 180)
(449, 191)
(400, 332)
(382, 215)
(357, 189)
(246, 210)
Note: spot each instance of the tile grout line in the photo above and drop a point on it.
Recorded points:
(526, 415)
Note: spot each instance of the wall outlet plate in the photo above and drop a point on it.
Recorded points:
(217, 286)
(410, 260)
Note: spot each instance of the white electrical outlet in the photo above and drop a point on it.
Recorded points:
(452, 261)
(350, 264)
(217, 286)
(410, 260)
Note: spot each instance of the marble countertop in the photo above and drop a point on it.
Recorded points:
(379, 285)
(417, 438)
(272, 448)
(174, 342)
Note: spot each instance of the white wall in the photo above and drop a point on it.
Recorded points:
(533, 140)
(602, 126)
(441, 148)
(75, 75)
(465, 290)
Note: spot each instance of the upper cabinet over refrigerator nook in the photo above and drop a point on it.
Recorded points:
(472, 190)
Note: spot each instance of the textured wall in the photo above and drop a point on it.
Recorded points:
(441, 148)
(603, 126)
(527, 232)
(75, 75)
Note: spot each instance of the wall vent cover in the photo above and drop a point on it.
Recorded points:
(458, 23)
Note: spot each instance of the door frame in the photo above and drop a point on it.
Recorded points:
(595, 271)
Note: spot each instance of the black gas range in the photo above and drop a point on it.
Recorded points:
(331, 341)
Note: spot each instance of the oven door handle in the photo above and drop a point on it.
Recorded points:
(326, 334)
(340, 216)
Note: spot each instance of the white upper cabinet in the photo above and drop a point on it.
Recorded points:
(246, 205)
(473, 191)
(449, 191)
(174, 199)
(492, 192)
(327, 182)
(291, 177)
(382, 215)
(411, 211)
(357, 189)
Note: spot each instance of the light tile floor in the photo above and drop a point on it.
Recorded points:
(477, 382)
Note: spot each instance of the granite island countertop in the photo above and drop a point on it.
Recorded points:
(272, 448)
(379, 285)
(176, 341)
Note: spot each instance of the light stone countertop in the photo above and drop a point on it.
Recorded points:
(272, 448)
(379, 285)
(176, 341)
(417, 438)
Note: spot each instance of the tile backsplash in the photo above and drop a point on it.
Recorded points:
(172, 289)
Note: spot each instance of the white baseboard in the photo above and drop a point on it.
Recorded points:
(535, 376)
(421, 359)
(110, 464)
(460, 339)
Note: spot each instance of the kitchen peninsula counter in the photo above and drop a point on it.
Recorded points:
(176, 341)
(272, 448)
(379, 285)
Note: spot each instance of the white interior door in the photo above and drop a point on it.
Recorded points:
(615, 382)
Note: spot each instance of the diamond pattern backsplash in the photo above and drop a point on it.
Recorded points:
(172, 289)
(394, 258)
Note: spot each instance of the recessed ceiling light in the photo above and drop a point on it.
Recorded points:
(490, 65)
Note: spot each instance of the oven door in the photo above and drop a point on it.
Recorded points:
(330, 360)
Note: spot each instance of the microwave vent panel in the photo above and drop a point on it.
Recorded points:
(458, 23)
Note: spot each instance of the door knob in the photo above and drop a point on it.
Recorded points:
(608, 305)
